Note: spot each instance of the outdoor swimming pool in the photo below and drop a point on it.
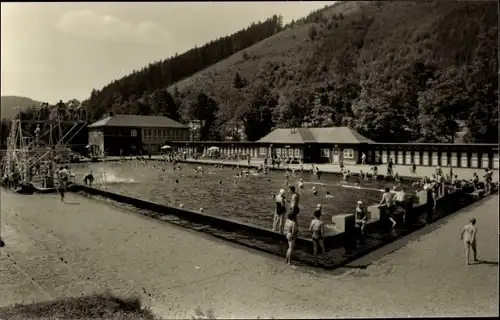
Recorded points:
(219, 192)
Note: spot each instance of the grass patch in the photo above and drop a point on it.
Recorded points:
(104, 306)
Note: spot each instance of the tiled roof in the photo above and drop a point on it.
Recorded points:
(132, 120)
(338, 135)
(283, 136)
(318, 135)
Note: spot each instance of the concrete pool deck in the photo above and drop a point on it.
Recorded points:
(54, 250)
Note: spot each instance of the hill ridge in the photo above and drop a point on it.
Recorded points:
(394, 71)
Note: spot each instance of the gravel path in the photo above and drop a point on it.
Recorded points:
(55, 250)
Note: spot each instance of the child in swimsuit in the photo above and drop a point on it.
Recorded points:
(317, 228)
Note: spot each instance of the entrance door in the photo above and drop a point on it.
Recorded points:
(336, 156)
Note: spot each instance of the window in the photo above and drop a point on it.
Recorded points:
(155, 133)
(297, 153)
(133, 133)
(348, 153)
(325, 153)
(262, 151)
(278, 152)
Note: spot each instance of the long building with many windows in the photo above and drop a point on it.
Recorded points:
(341, 144)
(125, 134)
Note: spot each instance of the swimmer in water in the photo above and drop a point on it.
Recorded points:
(328, 195)
(346, 175)
(317, 173)
(314, 191)
(301, 184)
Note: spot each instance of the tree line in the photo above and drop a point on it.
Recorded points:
(130, 93)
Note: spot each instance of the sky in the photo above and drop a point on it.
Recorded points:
(53, 51)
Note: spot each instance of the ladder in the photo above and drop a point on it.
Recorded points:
(11, 147)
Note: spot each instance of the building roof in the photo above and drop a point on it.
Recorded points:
(132, 120)
(315, 135)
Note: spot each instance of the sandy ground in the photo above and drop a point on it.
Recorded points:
(55, 250)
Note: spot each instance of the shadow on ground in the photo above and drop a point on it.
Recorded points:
(104, 306)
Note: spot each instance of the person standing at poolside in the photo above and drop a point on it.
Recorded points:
(294, 203)
(468, 235)
(361, 217)
(363, 158)
(488, 178)
(390, 167)
(374, 172)
(400, 200)
(291, 231)
(317, 228)
(280, 211)
(475, 181)
(387, 201)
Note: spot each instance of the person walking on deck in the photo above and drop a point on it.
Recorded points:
(468, 235)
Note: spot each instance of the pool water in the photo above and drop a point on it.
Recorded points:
(220, 192)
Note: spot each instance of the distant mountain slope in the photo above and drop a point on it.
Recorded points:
(395, 71)
(11, 105)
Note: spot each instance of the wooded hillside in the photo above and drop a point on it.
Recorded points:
(12, 105)
(395, 71)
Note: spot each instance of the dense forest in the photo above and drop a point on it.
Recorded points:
(395, 71)
(143, 91)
